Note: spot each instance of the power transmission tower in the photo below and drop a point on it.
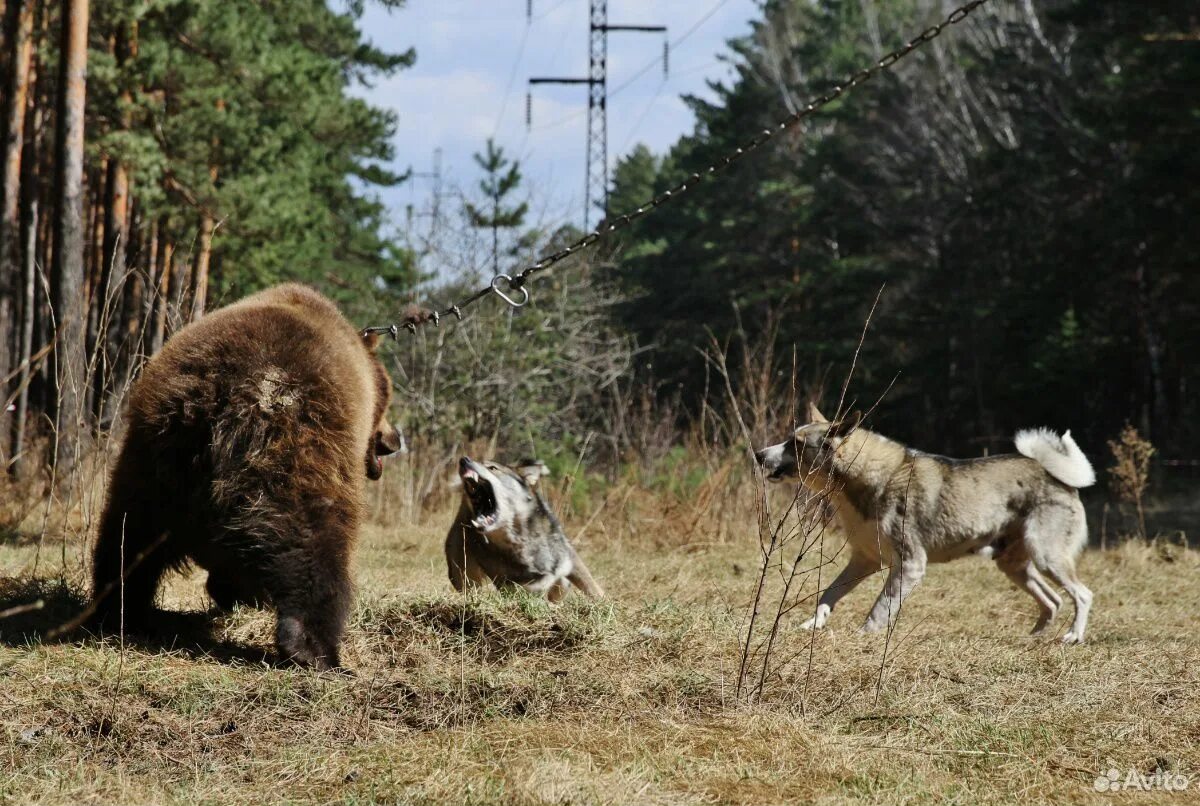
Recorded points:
(435, 175)
(595, 190)
(433, 212)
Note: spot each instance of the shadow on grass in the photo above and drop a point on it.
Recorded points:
(494, 626)
(11, 535)
(38, 608)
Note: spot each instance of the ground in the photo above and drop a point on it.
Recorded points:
(499, 698)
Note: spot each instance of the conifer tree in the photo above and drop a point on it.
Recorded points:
(501, 178)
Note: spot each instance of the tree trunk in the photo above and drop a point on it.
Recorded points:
(200, 269)
(204, 255)
(137, 322)
(135, 315)
(1157, 421)
(67, 268)
(19, 49)
(110, 355)
(130, 336)
(42, 392)
(25, 347)
(162, 285)
(109, 292)
(177, 292)
(94, 271)
(30, 188)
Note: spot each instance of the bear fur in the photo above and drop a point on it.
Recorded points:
(250, 438)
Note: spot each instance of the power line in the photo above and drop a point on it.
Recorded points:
(662, 84)
(696, 25)
(512, 76)
(553, 9)
(578, 113)
(674, 44)
(642, 117)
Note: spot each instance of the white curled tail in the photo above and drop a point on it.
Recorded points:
(1060, 456)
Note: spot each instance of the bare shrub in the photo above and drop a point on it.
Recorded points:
(789, 531)
(1129, 474)
(542, 380)
(792, 527)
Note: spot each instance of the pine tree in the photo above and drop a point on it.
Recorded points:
(18, 31)
(501, 178)
(67, 272)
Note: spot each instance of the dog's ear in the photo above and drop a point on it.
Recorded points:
(371, 341)
(814, 414)
(845, 425)
(532, 470)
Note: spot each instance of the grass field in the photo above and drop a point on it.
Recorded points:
(503, 699)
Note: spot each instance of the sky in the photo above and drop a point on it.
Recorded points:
(473, 59)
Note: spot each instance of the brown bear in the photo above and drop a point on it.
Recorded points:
(249, 440)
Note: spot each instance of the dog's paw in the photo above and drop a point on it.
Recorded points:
(1039, 628)
(817, 622)
(1071, 638)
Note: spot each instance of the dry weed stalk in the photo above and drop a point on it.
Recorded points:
(800, 526)
(1129, 475)
(787, 538)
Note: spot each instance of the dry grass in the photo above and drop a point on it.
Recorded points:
(496, 698)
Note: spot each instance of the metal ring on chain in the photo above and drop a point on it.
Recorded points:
(519, 287)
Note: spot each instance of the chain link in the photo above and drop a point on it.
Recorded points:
(516, 282)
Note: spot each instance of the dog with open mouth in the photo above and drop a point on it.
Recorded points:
(505, 533)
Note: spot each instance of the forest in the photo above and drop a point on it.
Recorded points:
(160, 157)
(1021, 192)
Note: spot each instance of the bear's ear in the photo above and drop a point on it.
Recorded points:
(532, 470)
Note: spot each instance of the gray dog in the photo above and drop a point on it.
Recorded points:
(505, 533)
(901, 509)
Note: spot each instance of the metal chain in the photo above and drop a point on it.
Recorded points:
(516, 282)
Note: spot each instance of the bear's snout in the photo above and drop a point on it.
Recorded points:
(388, 440)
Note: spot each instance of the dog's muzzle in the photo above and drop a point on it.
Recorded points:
(480, 495)
(775, 462)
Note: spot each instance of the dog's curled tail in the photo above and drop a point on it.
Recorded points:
(1060, 456)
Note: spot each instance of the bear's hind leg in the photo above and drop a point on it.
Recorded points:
(313, 596)
(130, 557)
